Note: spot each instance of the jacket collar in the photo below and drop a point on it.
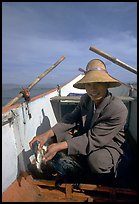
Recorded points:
(101, 106)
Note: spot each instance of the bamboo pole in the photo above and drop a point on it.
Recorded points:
(113, 59)
(20, 95)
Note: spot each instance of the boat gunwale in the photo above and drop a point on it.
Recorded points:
(8, 108)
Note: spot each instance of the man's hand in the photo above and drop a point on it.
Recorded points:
(42, 138)
(53, 149)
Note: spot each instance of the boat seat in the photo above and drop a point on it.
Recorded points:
(77, 98)
(74, 99)
(64, 104)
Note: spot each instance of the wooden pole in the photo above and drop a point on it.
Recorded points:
(20, 95)
(113, 59)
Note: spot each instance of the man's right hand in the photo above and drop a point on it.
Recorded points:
(42, 138)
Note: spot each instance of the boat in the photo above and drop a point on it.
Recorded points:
(22, 121)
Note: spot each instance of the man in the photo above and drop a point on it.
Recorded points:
(98, 119)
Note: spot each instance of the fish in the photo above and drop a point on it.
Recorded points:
(39, 152)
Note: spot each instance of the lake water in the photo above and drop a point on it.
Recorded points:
(10, 91)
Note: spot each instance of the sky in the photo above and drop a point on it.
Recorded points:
(37, 34)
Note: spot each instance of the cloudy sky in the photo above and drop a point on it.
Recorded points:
(37, 34)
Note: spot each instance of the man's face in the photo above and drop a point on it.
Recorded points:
(96, 90)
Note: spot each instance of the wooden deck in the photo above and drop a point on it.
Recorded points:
(26, 189)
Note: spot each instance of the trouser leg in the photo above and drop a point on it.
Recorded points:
(103, 160)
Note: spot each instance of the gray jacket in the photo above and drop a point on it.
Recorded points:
(102, 128)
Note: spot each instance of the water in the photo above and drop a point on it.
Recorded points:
(10, 91)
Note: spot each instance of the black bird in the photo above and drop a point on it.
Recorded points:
(68, 168)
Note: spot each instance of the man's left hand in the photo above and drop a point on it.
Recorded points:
(53, 149)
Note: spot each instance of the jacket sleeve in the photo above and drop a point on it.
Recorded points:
(109, 125)
(68, 122)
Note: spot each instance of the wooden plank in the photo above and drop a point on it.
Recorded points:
(77, 98)
(64, 98)
(90, 187)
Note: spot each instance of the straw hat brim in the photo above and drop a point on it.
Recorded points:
(96, 76)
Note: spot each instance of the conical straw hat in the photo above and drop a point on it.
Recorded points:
(96, 72)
